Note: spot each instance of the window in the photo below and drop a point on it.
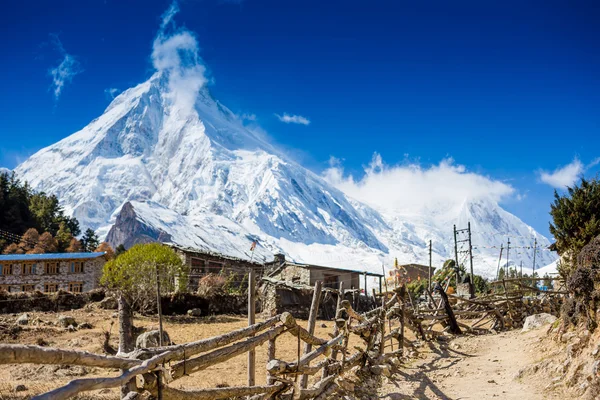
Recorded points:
(197, 266)
(75, 287)
(29, 269)
(51, 287)
(51, 268)
(6, 269)
(214, 267)
(331, 281)
(5, 288)
(27, 288)
(76, 267)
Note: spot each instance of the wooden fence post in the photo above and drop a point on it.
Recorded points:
(336, 330)
(270, 356)
(251, 321)
(312, 321)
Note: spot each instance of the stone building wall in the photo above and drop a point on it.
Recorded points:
(90, 277)
(351, 279)
(203, 263)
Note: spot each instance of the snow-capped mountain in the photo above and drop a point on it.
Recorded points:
(151, 169)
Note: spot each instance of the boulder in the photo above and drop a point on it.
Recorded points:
(23, 319)
(194, 312)
(150, 339)
(20, 388)
(66, 320)
(538, 320)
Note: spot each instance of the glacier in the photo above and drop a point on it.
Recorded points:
(149, 169)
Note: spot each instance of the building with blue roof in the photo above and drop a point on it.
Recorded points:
(50, 272)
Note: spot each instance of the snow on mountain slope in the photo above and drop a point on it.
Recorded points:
(206, 181)
(166, 161)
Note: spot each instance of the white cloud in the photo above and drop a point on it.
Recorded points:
(111, 92)
(564, 176)
(247, 117)
(411, 186)
(175, 53)
(293, 119)
(64, 72)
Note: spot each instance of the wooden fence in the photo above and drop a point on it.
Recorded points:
(154, 369)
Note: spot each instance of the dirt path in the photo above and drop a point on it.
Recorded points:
(472, 367)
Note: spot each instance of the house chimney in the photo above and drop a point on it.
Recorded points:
(279, 258)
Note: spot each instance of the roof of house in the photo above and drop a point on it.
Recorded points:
(332, 268)
(50, 256)
(196, 250)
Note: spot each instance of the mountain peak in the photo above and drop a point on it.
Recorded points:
(161, 165)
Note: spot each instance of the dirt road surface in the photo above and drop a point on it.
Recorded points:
(473, 367)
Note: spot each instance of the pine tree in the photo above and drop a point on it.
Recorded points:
(501, 273)
(575, 219)
(120, 250)
(90, 240)
(63, 237)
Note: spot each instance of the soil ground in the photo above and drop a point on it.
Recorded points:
(473, 367)
(41, 378)
(468, 367)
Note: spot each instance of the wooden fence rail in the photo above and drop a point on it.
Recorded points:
(173, 362)
(156, 368)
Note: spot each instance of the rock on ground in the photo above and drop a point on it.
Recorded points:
(194, 312)
(537, 320)
(150, 339)
(66, 320)
(23, 319)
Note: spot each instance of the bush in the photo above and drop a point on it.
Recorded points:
(210, 285)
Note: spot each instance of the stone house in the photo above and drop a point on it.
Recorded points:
(287, 286)
(413, 272)
(204, 262)
(73, 272)
(307, 274)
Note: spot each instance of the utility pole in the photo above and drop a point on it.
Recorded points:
(472, 285)
(521, 268)
(507, 254)
(499, 261)
(430, 265)
(456, 257)
(534, 251)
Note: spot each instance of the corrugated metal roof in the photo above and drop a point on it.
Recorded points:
(49, 256)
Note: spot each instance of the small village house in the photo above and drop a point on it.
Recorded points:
(48, 273)
(287, 285)
(204, 262)
(414, 272)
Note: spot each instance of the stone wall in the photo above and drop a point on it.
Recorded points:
(90, 277)
(37, 301)
(277, 299)
(180, 303)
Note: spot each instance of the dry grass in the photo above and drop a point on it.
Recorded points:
(233, 372)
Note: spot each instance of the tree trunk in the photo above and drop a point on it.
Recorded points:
(126, 343)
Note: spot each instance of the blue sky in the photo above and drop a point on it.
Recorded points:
(506, 89)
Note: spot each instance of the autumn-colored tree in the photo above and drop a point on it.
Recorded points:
(46, 244)
(74, 246)
(29, 240)
(105, 247)
(13, 248)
